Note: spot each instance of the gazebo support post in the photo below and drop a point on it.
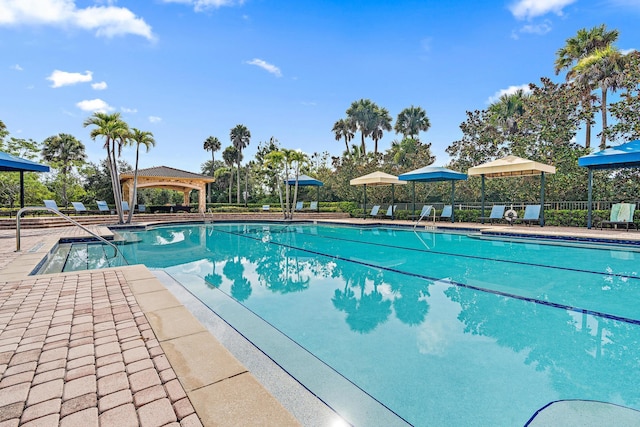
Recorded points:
(318, 198)
(542, 199)
(482, 199)
(589, 198)
(453, 208)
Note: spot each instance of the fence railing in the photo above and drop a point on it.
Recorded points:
(553, 205)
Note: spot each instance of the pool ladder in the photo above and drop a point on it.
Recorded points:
(116, 251)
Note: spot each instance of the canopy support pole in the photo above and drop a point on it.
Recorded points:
(542, 199)
(364, 207)
(453, 208)
(413, 184)
(392, 201)
(482, 200)
(21, 189)
(318, 198)
(589, 198)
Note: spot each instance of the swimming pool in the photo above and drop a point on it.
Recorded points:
(441, 328)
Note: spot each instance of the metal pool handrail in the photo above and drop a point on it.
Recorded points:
(60, 214)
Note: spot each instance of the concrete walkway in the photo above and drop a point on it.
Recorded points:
(112, 348)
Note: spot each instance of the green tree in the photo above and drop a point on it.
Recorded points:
(63, 152)
(411, 121)
(605, 67)
(115, 131)
(625, 111)
(212, 144)
(240, 137)
(584, 44)
(343, 129)
(138, 138)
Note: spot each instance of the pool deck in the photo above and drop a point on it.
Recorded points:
(115, 347)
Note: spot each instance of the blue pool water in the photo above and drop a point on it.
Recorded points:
(442, 329)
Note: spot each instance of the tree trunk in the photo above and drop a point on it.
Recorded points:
(603, 141)
(230, 184)
(238, 196)
(362, 146)
(346, 143)
(135, 187)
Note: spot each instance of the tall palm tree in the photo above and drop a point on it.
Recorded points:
(114, 130)
(343, 129)
(212, 144)
(411, 121)
(505, 112)
(362, 115)
(138, 138)
(577, 48)
(382, 121)
(606, 69)
(230, 155)
(65, 151)
(240, 137)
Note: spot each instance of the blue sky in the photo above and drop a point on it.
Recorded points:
(187, 69)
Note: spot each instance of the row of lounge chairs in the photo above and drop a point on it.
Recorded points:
(313, 206)
(80, 208)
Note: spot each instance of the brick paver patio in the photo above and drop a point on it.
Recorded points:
(78, 351)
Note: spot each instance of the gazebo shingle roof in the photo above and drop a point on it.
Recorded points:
(167, 172)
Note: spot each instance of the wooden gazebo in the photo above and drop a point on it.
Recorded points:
(170, 179)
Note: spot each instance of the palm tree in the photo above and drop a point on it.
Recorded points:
(114, 131)
(229, 155)
(605, 68)
(411, 121)
(65, 151)
(505, 112)
(240, 137)
(343, 129)
(382, 122)
(139, 138)
(577, 48)
(362, 115)
(212, 144)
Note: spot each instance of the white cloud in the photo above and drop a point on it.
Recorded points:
(527, 9)
(425, 43)
(99, 85)
(128, 110)
(539, 29)
(508, 91)
(16, 67)
(155, 119)
(627, 51)
(200, 5)
(106, 21)
(266, 66)
(94, 105)
(63, 78)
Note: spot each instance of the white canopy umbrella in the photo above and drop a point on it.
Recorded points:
(377, 178)
(513, 166)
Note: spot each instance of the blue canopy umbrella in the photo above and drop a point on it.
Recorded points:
(9, 163)
(431, 174)
(304, 180)
(622, 156)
